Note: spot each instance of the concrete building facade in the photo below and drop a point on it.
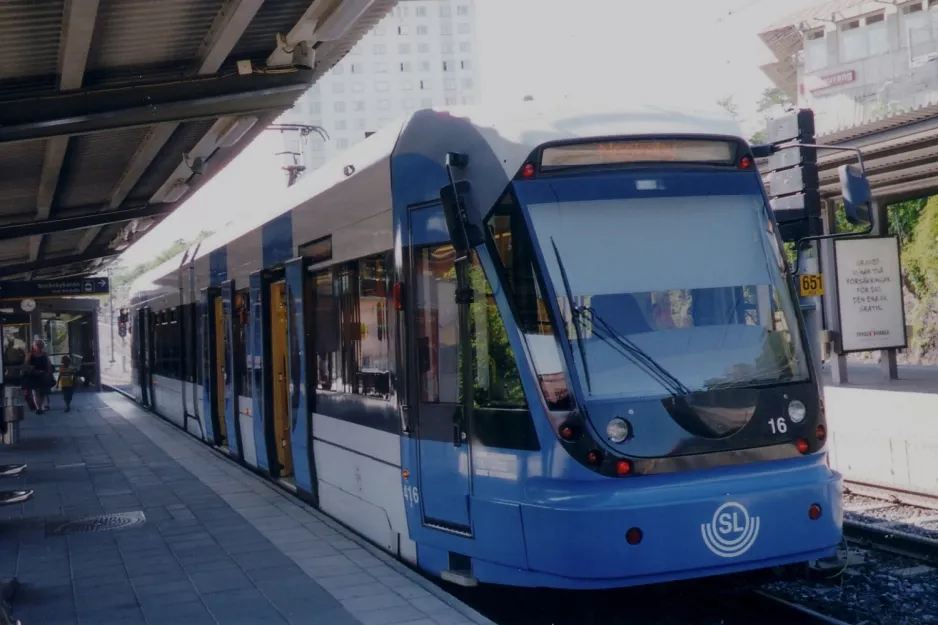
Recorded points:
(854, 61)
(422, 54)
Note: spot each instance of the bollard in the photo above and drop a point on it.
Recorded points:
(12, 414)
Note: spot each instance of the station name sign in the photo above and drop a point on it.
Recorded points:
(21, 289)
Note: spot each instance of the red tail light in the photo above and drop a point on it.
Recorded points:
(821, 432)
(567, 432)
(633, 536)
(594, 457)
(623, 467)
(814, 512)
(802, 446)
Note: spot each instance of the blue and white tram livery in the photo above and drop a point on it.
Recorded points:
(552, 348)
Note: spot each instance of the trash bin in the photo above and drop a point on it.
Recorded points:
(12, 413)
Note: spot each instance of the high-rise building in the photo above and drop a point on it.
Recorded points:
(422, 54)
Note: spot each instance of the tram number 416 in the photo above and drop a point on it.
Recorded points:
(811, 284)
(411, 495)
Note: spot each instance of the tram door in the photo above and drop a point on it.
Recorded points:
(279, 372)
(437, 327)
(143, 354)
(221, 370)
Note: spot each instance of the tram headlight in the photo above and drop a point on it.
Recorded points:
(796, 411)
(618, 430)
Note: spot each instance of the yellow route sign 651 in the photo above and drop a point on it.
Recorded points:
(811, 284)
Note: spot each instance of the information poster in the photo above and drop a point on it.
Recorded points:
(869, 290)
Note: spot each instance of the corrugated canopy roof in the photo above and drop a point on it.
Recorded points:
(113, 112)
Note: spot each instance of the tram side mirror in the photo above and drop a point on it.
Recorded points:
(855, 188)
(463, 235)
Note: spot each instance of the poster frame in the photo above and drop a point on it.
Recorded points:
(839, 340)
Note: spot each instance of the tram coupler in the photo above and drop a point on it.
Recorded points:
(826, 568)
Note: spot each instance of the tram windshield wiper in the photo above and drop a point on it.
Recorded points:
(573, 313)
(635, 353)
(622, 345)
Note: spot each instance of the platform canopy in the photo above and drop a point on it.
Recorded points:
(113, 112)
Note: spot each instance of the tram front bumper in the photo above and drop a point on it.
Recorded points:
(690, 525)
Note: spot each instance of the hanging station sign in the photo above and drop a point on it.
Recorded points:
(869, 292)
(21, 289)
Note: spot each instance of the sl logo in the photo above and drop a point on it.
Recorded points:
(731, 532)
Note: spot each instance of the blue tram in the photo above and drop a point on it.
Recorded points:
(541, 347)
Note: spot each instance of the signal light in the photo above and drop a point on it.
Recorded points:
(745, 162)
(633, 536)
(821, 432)
(594, 457)
(623, 467)
(814, 512)
(527, 171)
(567, 432)
(802, 446)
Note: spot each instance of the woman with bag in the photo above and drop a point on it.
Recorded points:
(38, 374)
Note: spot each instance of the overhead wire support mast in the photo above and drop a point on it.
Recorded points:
(294, 160)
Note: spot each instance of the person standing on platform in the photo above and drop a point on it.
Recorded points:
(38, 372)
(67, 381)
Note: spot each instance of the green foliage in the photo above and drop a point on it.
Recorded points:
(772, 97)
(904, 217)
(921, 253)
(772, 102)
(123, 277)
(729, 106)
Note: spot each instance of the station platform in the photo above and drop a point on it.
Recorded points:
(191, 538)
(885, 432)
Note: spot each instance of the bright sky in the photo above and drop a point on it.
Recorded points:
(685, 52)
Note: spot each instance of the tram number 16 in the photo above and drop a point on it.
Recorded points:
(778, 426)
(411, 495)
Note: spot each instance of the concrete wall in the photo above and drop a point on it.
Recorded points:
(887, 434)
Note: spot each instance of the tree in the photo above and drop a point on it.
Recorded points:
(773, 103)
(771, 98)
(122, 277)
(729, 106)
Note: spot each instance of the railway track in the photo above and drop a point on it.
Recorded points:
(900, 522)
(701, 602)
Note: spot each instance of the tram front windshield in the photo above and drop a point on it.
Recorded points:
(682, 282)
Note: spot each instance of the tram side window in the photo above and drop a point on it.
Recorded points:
(519, 269)
(326, 314)
(496, 382)
(373, 354)
(352, 345)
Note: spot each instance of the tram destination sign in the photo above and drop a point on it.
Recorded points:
(20, 289)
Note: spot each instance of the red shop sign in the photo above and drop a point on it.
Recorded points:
(816, 83)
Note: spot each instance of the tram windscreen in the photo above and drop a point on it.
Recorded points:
(694, 282)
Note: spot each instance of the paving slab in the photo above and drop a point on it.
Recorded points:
(135, 522)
